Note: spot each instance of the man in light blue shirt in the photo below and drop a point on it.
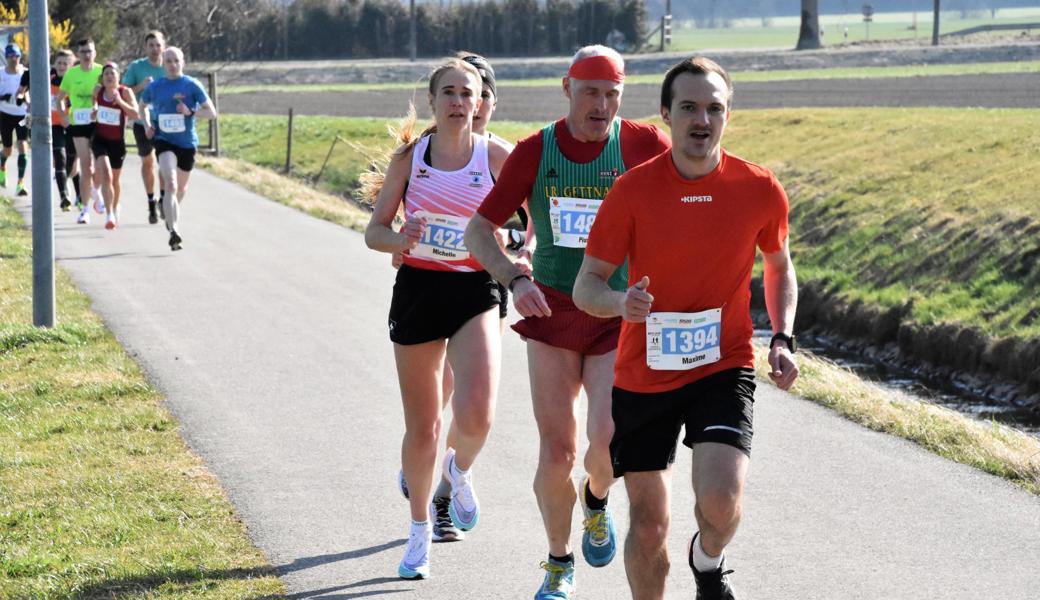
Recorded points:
(139, 75)
(172, 104)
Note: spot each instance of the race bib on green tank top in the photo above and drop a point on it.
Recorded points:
(564, 201)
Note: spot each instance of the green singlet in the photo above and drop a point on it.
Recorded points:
(79, 85)
(561, 182)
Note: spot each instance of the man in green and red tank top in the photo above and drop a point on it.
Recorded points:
(564, 171)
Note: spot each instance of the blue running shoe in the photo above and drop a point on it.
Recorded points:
(599, 541)
(416, 561)
(464, 508)
(559, 581)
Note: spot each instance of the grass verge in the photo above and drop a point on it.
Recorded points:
(990, 447)
(100, 496)
(655, 79)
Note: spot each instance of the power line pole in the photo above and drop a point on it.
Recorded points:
(42, 217)
(935, 23)
(412, 42)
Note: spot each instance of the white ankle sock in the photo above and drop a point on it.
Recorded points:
(420, 527)
(701, 560)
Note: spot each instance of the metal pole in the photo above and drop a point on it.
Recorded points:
(214, 124)
(288, 147)
(935, 23)
(412, 38)
(42, 216)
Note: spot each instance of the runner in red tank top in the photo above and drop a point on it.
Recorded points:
(113, 103)
(689, 223)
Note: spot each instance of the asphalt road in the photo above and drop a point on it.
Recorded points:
(266, 335)
(1019, 90)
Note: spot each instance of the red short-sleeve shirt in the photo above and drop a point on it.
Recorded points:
(695, 240)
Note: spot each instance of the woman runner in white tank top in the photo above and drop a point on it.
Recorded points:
(445, 306)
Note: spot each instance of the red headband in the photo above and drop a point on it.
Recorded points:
(598, 67)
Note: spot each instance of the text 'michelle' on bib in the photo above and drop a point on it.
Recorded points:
(682, 341)
(443, 237)
(571, 220)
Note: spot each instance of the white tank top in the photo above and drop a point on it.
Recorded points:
(447, 199)
(9, 84)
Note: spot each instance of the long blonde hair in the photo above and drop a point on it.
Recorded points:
(404, 134)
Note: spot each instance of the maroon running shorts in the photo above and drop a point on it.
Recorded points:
(570, 327)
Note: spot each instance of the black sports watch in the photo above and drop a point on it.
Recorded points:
(787, 339)
(513, 281)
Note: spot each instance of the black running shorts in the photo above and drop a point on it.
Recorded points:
(433, 305)
(81, 131)
(144, 145)
(10, 128)
(716, 409)
(61, 140)
(115, 150)
(185, 156)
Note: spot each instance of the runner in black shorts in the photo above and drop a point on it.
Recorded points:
(139, 75)
(445, 305)
(13, 84)
(690, 223)
(63, 151)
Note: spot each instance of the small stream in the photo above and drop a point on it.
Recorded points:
(921, 387)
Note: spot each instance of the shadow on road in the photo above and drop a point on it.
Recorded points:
(315, 561)
(378, 580)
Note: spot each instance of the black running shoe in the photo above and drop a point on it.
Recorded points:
(175, 241)
(711, 585)
(153, 216)
(66, 206)
(444, 529)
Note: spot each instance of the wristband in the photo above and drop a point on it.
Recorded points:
(783, 337)
(513, 281)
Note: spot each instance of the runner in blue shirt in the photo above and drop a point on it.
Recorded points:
(173, 103)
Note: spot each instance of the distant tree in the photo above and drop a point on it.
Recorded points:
(809, 34)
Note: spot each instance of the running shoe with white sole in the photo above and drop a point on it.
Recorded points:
(99, 204)
(711, 585)
(559, 581)
(175, 241)
(599, 540)
(416, 561)
(444, 529)
(464, 507)
(84, 216)
(153, 214)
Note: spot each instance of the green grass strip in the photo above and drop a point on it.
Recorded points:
(99, 496)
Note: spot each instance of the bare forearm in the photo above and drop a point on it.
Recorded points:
(781, 293)
(384, 239)
(594, 296)
(481, 242)
(206, 111)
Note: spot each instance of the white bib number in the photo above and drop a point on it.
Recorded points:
(82, 116)
(571, 220)
(108, 116)
(443, 237)
(172, 123)
(683, 341)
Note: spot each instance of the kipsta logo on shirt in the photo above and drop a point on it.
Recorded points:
(552, 172)
(695, 199)
(610, 173)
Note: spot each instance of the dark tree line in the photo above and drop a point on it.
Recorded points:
(317, 29)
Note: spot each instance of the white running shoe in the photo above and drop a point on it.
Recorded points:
(99, 204)
(416, 561)
(84, 216)
(464, 507)
(110, 222)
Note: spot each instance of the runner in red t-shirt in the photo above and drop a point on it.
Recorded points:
(572, 162)
(689, 222)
